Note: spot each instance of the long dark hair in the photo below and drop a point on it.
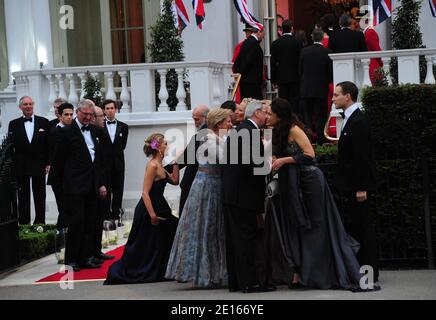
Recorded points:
(283, 109)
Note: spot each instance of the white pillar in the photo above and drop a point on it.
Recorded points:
(62, 94)
(430, 76)
(387, 68)
(216, 92)
(201, 82)
(408, 69)
(163, 92)
(73, 98)
(181, 93)
(82, 77)
(110, 90)
(366, 78)
(142, 89)
(52, 95)
(125, 96)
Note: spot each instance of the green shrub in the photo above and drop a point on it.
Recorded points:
(35, 244)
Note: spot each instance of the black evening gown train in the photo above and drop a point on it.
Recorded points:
(304, 224)
(148, 248)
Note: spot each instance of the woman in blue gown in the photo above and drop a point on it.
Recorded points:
(198, 253)
(147, 250)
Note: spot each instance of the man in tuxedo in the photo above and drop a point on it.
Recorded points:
(355, 176)
(347, 40)
(249, 64)
(316, 74)
(79, 157)
(116, 133)
(243, 199)
(66, 112)
(56, 104)
(285, 57)
(188, 159)
(230, 105)
(30, 138)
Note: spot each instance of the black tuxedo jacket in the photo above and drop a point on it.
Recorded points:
(30, 158)
(54, 123)
(285, 56)
(189, 159)
(347, 40)
(355, 162)
(241, 188)
(114, 152)
(316, 71)
(80, 176)
(54, 177)
(249, 62)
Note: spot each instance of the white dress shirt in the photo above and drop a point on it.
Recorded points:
(88, 140)
(112, 129)
(350, 110)
(30, 128)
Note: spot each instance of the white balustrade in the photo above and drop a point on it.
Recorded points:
(82, 77)
(124, 96)
(387, 68)
(110, 90)
(73, 98)
(429, 79)
(181, 93)
(62, 94)
(366, 78)
(216, 94)
(52, 95)
(163, 92)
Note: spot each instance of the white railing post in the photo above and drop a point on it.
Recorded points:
(387, 68)
(343, 70)
(82, 77)
(366, 78)
(110, 90)
(142, 90)
(429, 78)
(62, 94)
(124, 96)
(181, 93)
(163, 92)
(52, 95)
(201, 81)
(73, 98)
(216, 92)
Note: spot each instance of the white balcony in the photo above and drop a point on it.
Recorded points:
(355, 67)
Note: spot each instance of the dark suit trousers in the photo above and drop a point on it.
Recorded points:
(114, 198)
(359, 224)
(310, 107)
(251, 90)
(183, 196)
(241, 239)
(98, 227)
(38, 188)
(60, 202)
(291, 92)
(81, 224)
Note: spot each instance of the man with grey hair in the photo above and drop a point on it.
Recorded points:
(79, 156)
(347, 40)
(30, 137)
(316, 74)
(56, 104)
(188, 159)
(243, 199)
(98, 118)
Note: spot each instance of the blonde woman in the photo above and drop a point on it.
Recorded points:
(240, 110)
(198, 253)
(147, 250)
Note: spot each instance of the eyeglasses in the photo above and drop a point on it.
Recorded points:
(88, 114)
(27, 104)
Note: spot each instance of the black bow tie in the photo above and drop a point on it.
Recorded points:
(87, 128)
(28, 119)
(111, 122)
(342, 114)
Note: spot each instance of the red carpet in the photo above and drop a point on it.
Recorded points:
(87, 274)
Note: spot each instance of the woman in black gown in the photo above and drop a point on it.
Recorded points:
(314, 243)
(147, 250)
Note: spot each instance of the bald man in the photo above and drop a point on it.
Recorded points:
(98, 119)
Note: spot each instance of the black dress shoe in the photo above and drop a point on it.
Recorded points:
(296, 285)
(251, 289)
(234, 289)
(74, 266)
(267, 288)
(359, 289)
(103, 256)
(90, 265)
(95, 260)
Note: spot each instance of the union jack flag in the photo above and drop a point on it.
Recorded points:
(381, 9)
(246, 15)
(180, 14)
(199, 12)
(433, 7)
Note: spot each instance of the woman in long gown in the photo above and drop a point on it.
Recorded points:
(316, 245)
(198, 253)
(147, 250)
